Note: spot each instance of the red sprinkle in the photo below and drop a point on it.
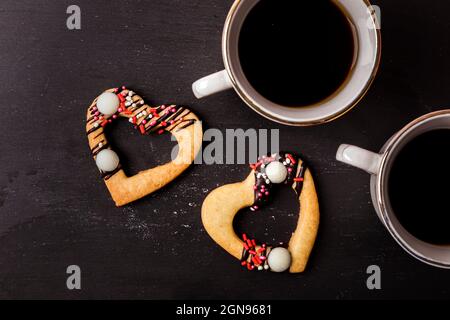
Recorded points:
(291, 158)
(161, 131)
(299, 179)
(142, 128)
(244, 236)
(121, 98)
(104, 123)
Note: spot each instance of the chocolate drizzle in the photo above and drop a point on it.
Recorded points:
(109, 175)
(300, 179)
(264, 187)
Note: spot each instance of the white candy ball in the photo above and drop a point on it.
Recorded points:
(108, 103)
(276, 172)
(279, 259)
(107, 160)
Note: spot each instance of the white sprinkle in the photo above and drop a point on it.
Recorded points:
(260, 268)
(284, 163)
(134, 105)
(131, 120)
(266, 267)
(128, 103)
(130, 93)
(96, 125)
(100, 145)
(144, 113)
(150, 116)
(129, 98)
(141, 102)
(268, 181)
(288, 160)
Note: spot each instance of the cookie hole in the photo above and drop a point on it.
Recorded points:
(274, 223)
(138, 152)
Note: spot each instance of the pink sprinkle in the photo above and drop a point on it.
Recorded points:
(115, 116)
(120, 109)
(152, 123)
(97, 113)
(255, 187)
(172, 121)
(94, 108)
(256, 207)
(267, 193)
(260, 195)
(116, 89)
(144, 121)
(124, 88)
(173, 110)
(289, 169)
(95, 118)
(163, 107)
(109, 120)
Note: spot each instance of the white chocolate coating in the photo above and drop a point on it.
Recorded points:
(279, 259)
(107, 160)
(108, 103)
(276, 172)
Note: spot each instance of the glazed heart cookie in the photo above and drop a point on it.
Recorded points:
(222, 204)
(123, 103)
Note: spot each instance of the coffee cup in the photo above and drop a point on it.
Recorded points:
(381, 167)
(364, 25)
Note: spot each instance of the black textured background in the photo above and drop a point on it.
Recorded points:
(55, 210)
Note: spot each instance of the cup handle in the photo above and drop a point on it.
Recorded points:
(359, 158)
(214, 83)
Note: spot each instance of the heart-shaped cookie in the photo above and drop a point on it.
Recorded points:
(123, 103)
(221, 206)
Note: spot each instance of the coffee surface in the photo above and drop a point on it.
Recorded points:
(419, 187)
(296, 53)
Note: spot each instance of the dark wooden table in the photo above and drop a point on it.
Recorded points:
(55, 211)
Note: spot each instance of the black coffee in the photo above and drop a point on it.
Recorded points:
(296, 52)
(419, 187)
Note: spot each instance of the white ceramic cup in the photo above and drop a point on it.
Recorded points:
(363, 20)
(379, 165)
